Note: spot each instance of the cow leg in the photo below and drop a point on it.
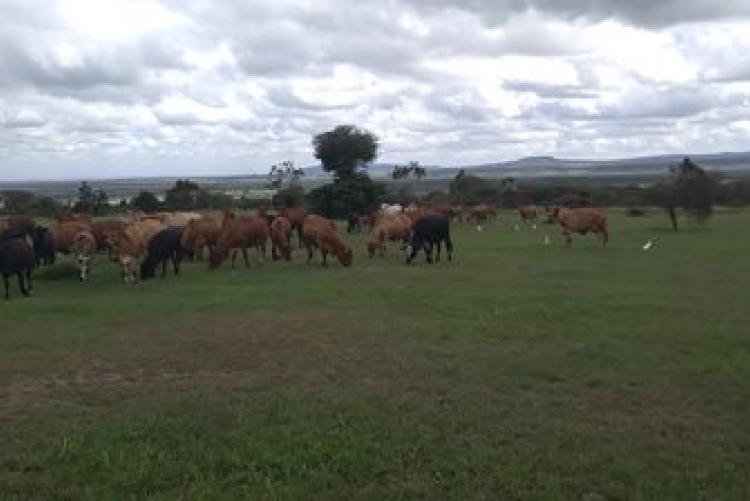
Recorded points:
(164, 268)
(274, 252)
(29, 281)
(5, 281)
(568, 239)
(324, 253)
(21, 284)
(176, 258)
(244, 257)
(449, 248)
(437, 258)
(234, 256)
(428, 252)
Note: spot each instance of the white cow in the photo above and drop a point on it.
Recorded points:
(391, 210)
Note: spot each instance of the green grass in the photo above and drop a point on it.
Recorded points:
(519, 371)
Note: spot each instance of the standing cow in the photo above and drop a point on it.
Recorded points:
(581, 221)
(17, 258)
(427, 232)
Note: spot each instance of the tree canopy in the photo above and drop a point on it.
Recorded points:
(344, 149)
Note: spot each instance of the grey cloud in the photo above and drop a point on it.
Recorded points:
(647, 13)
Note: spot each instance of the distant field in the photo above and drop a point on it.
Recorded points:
(519, 371)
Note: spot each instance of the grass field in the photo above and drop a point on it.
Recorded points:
(519, 371)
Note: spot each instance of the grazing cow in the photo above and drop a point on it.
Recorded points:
(201, 233)
(131, 243)
(581, 221)
(163, 247)
(430, 230)
(83, 249)
(103, 231)
(393, 228)
(295, 215)
(321, 233)
(11, 224)
(528, 213)
(17, 258)
(281, 233)
(481, 213)
(239, 233)
(44, 246)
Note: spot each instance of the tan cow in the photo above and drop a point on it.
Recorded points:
(131, 243)
(388, 228)
(83, 249)
(581, 221)
(321, 233)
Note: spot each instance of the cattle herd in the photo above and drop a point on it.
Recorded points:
(141, 243)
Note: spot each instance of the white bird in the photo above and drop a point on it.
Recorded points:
(517, 228)
(533, 226)
(479, 227)
(546, 239)
(648, 245)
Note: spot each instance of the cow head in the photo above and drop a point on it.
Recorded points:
(346, 256)
(84, 264)
(216, 256)
(128, 267)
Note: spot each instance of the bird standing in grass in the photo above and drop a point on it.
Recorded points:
(546, 239)
(648, 245)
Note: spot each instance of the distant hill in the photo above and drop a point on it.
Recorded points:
(545, 169)
(731, 164)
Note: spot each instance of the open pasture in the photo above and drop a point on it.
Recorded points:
(519, 371)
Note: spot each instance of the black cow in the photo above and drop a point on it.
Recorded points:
(430, 230)
(164, 246)
(16, 257)
(44, 246)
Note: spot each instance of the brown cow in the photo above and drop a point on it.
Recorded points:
(281, 232)
(63, 234)
(391, 228)
(321, 233)
(103, 231)
(295, 215)
(22, 223)
(481, 213)
(528, 213)
(201, 233)
(239, 233)
(581, 221)
(83, 249)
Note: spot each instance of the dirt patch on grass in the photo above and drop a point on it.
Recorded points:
(303, 349)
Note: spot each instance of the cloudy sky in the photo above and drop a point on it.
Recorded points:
(117, 88)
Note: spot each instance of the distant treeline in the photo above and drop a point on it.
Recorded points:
(685, 185)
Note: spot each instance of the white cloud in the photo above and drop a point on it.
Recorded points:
(119, 87)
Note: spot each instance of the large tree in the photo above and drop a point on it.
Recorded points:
(689, 187)
(344, 149)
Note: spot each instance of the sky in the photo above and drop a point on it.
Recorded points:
(130, 88)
